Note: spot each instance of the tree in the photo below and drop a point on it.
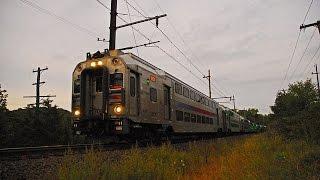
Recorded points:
(300, 96)
(296, 112)
(3, 100)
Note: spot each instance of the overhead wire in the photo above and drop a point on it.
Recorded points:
(311, 60)
(305, 17)
(303, 54)
(62, 19)
(133, 34)
(295, 47)
(169, 55)
(188, 47)
(143, 13)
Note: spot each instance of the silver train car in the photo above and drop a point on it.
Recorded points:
(116, 93)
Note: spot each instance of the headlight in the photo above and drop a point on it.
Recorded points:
(118, 109)
(77, 113)
(93, 64)
(100, 63)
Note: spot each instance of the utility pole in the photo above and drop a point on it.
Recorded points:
(209, 79)
(317, 74)
(317, 24)
(37, 84)
(113, 25)
(234, 103)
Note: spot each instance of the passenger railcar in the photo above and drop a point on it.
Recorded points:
(118, 93)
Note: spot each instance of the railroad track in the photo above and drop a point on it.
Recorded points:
(17, 153)
(56, 150)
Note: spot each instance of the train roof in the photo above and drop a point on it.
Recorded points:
(157, 70)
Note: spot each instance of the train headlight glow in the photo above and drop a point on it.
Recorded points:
(93, 64)
(118, 109)
(100, 63)
(77, 113)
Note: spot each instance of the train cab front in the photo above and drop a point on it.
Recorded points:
(98, 98)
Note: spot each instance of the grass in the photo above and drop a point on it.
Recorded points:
(261, 156)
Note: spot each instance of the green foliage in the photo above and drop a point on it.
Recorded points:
(299, 97)
(22, 127)
(262, 156)
(296, 112)
(253, 115)
(163, 162)
(3, 100)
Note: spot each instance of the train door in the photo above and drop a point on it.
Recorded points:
(134, 109)
(167, 103)
(93, 92)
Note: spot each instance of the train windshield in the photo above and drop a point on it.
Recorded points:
(116, 80)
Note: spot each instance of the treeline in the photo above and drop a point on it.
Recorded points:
(297, 112)
(23, 127)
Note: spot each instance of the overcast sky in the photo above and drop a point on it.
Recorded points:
(247, 44)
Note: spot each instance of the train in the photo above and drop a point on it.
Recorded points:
(119, 94)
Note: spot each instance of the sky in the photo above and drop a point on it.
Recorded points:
(247, 44)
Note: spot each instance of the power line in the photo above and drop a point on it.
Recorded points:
(177, 32)
(167, 37)
(165, 52)
(50, 13)
(303, 54)
(305, 17)
(310, 61)
(134, 37)
(189, 49)
(293, 53)
(295, 47)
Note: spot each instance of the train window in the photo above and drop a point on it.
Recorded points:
(192, 95)
(116, 80)
(198, 119)
(153, 94)
(203, 120)
(193, 118)
(76, 86)
(206, 102)
(210, 120)
(187, 117)
(132, 86)
(202, 100)
(179, 115)
(185, 92)
(178, 88)
(197, 97)
(99, 84)
(207, 120)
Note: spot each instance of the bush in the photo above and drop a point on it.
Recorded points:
(22, 127)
